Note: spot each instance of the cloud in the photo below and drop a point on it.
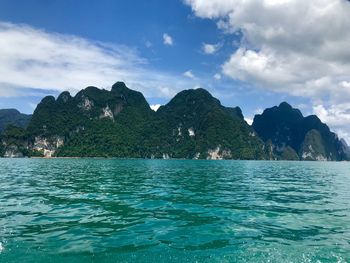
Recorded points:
(217, 76)
(337, 116)
(281, 52)
(296, 47)
(210, 48)
(167, 40)
(189, 74)
(249, 120)
(155, 107)
(32, 59)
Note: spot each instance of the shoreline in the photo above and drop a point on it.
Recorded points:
(176, 159)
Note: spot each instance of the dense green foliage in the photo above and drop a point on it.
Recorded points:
(13, 117)
(194, 124)
(288, 153)
(16, 138)
(196, 112)
(118, 135)
(136, 131)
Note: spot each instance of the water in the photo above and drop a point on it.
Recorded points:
(105, 210)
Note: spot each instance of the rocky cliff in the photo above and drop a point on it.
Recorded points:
(120, 123)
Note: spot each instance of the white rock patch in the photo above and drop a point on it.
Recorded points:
(107, 113)
(12, 152)
(48, 148)
(214, 154)
(48, 153)
(191, 132)
(311, 155)
(252, 134)
(218, 154)
(87, 104)
(321, 158)
(179, 133)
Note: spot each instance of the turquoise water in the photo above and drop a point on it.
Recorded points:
(105, 210)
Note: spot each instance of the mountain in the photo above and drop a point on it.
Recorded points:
(120, 123)
(293, 136)
(346, 148)
(194, 125)
(13, 117)
(93, 123)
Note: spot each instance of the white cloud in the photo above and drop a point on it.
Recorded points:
(189, 74)
(345, 84)
(296, 47)
(31, 58)
(217, 76)
(210, 48)
(337, 116)
(249, 120)
(167, 40)
(155, 107)
(281, 52)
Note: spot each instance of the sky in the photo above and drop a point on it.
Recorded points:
(248, 53)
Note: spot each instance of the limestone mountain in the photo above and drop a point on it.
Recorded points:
(293, 136)
(14, 142)
(194, 124)
(94, 122)
(346, 148)
(120, 123)
(13, 117)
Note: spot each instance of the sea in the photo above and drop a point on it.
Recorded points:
(133, 210)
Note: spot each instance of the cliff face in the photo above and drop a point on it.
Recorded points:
(345, 148)
(95, 122)
(194, 124)
(304, 138)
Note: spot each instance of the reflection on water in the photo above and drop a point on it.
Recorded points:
(176, 210)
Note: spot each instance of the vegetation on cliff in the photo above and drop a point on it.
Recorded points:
(194, 124)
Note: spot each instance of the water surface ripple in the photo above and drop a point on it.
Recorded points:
(106, 210)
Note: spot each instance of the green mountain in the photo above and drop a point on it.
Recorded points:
(293, 136)
(193, 125)
(93, 123)
(13, 117)
(120, 123)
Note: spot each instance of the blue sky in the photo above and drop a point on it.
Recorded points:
(246, 53)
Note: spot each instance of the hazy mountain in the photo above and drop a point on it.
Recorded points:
(293, 136)
(13, 117)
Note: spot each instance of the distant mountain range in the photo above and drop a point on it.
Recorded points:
(193, 125)
(292, 136)
(13, 117)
